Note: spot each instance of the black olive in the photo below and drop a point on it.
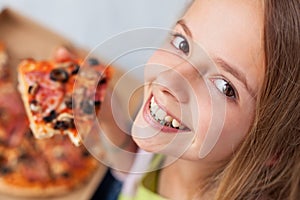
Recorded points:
(64, 123)
(34, 106)
(32, 90)
(75, 69)
(102, 81)
(87, 106)
(93, 62)
(34, 102)
(85, 153)
(66, 174)
(59, 74)
(23, 157)
(68, 102)
(5, 170)
(97, 103)
(52, 115)
(61, 125)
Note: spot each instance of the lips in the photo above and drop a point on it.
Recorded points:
(163, 119)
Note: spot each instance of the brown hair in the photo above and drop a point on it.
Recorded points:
(267, 164)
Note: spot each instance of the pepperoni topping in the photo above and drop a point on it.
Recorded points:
(60, 75)
(49, 99)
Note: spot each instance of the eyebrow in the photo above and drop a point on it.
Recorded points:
(186, 29)
(236, 73)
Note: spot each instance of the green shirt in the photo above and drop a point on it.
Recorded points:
(147, 188)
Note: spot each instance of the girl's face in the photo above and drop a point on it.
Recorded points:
(204, 82)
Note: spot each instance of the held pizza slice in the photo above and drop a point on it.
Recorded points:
(46, 88)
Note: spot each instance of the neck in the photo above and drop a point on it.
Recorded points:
(185, 179)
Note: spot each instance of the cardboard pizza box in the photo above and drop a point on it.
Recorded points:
(25, 38)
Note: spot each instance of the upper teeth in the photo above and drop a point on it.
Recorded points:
(161, 116)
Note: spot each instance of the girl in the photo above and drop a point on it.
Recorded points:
(232, 117)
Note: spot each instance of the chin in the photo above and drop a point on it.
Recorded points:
(147, 145)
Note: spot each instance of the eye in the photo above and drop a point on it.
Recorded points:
(181, 43)
(225, 87)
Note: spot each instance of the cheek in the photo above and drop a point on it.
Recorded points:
(221, 127)
(203, 122)
(238, 122)
(235, 128)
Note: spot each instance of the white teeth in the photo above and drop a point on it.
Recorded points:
(161, 116)
(154, 108)
(152, 100)
(153, 103)
(175, 123)
(181, 127)
(168, 118)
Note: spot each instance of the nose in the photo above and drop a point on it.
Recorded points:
(177, 82)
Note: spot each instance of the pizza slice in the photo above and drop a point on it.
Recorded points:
(46, 88)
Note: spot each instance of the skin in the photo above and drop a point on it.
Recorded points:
(187, 86)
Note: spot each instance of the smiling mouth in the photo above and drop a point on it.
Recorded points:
(163, 118)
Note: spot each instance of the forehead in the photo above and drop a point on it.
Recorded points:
(233, 30)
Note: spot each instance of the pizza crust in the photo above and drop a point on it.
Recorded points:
(33, 191)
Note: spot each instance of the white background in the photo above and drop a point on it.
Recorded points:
(88, 23)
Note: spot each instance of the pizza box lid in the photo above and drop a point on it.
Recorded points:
(26, 39)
